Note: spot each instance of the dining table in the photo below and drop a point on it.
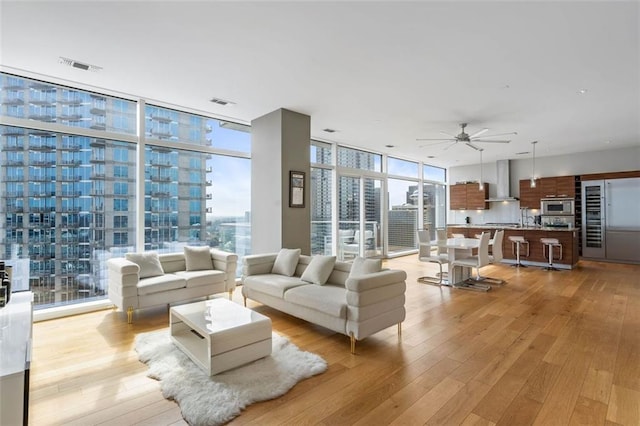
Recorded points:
(458, 248)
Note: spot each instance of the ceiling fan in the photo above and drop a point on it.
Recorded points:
(467, 139)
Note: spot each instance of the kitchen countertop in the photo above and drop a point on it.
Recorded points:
(511, 226)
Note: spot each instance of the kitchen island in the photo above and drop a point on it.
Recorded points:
(568, 237)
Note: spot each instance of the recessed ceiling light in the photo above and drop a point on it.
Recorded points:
(390, 146)
(79, 65)
(582, 91)
(328, 130)
(222, 102)
(607, 142)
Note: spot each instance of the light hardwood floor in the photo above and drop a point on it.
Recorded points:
(547, 348)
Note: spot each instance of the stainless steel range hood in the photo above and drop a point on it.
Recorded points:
(503, 185)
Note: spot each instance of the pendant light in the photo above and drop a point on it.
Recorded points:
(533, 166)
(481, 186)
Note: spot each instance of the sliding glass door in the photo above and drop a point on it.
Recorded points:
(360, 231)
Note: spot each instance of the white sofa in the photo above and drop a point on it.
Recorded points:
(174, 282)
(356, 306)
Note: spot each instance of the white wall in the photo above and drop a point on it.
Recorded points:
(612, 160)
(279, 144)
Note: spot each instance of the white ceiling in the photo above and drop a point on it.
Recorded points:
(378, 72)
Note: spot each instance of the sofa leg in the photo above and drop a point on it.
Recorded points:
(130, 314)
(399, 329)
(230, 294)
(245, 301)
(353, 344)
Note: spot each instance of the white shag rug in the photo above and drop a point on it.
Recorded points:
(214, 400)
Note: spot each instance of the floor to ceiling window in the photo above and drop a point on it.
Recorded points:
(434, 201)
(377, 212)
(403, 204)
(69, 178)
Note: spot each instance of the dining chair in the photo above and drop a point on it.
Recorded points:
(495, 257)
(477, 262)
(426, 255)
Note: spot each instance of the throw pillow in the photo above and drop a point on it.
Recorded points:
(148, 262)
(286, 262)
(197, 258)
(319, 269)
(362, 266)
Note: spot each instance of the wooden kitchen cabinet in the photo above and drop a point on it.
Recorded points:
(458, 196)
(566, 187)
(547, 187)
(529, 197)
(476, 198)
(568, 239)
(557, 187)
(467, 196)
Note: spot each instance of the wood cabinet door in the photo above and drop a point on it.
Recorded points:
(476, 198)
(529, 197)
(458, 196)
(566, 186)
(537, 248)
(547, 187)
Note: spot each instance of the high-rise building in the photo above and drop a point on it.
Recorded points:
(67, 200)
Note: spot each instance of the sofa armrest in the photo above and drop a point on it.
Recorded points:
(374, 302)
(123, 272)
(228, 263)
(257, 264)
(376, 280)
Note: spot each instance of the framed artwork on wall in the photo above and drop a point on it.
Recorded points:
(296, 189)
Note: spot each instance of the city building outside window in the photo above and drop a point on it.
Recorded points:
(67, 199)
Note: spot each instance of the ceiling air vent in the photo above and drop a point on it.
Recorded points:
(79, 65)
(221, 101)
(328, 130)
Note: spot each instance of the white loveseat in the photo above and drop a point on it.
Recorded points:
(355, 305)
(150, 279)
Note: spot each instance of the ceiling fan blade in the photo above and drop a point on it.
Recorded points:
(493, 136)
(440, 139)
(450, 145)
(494, 141)
(448, 134)
(478, 133)
(470, 145)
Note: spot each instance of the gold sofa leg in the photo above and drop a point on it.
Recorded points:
(399, 329)
(230, 294)
(353, 344)
(245, 301)
(130, 314)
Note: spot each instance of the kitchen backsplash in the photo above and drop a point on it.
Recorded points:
(500, 212)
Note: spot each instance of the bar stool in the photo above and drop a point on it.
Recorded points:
(518, 241)
(550, 243)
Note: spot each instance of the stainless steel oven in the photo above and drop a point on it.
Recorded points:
(557, 206)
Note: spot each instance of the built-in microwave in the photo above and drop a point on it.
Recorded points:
(557, 206)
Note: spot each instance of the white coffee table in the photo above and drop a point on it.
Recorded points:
(219, 335)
